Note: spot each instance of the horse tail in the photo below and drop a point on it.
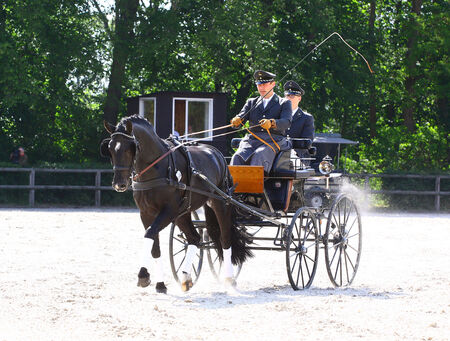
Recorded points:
(239, 239)
(213, 228)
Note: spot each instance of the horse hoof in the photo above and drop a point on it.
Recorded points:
(186, 281)
(161, 288)
(143, 278)
(230, 282)
(143, 282)
(185, 286)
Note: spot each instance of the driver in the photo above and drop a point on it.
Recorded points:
(273, 114)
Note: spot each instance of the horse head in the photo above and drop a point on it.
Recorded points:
(121, 148)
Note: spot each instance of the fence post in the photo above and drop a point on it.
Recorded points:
(437, 198)
(32, 183)
(98, 195)
(366, 183)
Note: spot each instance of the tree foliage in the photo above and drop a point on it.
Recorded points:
(67, 65)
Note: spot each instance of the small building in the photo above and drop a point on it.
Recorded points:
(183, 112)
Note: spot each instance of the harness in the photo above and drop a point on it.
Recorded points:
(173, 176)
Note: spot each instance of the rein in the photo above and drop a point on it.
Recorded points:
(172, 149)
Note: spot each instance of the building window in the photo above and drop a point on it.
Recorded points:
(192, 115)
(147, 109)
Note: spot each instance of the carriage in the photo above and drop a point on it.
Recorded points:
(297, 209)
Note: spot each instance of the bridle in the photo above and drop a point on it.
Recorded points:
(136, 176)
(131, 137)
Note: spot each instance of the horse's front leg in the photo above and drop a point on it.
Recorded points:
(151, 246)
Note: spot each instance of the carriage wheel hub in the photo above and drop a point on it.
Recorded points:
(302, 250)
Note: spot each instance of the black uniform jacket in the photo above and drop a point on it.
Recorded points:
(302, 126)
(278, 108)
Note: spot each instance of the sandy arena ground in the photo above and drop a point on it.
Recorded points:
(71, 275)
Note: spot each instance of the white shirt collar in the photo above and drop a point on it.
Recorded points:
(266, 100)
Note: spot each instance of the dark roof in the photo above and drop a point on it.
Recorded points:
(182, 94)
(332, 139)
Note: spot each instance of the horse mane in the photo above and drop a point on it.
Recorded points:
(135, 119)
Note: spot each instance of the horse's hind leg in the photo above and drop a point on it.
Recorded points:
(187, 227)
(219, 218)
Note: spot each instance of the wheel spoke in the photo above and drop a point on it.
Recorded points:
(349, 212)
(299, 272)
(339, 215)
(179, 252)
(337, 268)
(308, 231)
(332, 260)
(353, 235)
(346, 266)
(312, 260)
(352, 248)
(306, 264)
(340, 266)
(307, 247)
(181, 263)
(354, 220)
(348, 257)
(295, 261)
(296, 230)
(336, 244)
(181, 241)
(195, 270)
(344, 215)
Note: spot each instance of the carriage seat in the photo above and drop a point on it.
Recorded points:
(282, 166)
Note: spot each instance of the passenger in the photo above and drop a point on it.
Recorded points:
(302, 125)
(273, 115)
(18, 156)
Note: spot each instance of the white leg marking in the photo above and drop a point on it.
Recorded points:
(146, 254)
(227, 266)
(190, 254)
(159, 269)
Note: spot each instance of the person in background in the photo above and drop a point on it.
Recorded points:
(18, 156)
(273, 115)
(302, 125)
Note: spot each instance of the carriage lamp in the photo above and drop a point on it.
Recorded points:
(326, 167)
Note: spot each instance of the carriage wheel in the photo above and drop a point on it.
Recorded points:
(302, 249)
(177, 252)
(215, 264)
(342, 241)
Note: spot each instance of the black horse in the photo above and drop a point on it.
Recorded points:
(161, 197)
